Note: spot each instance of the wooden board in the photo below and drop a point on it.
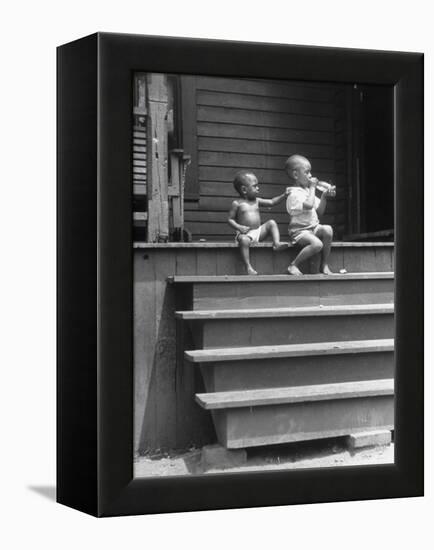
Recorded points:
(145, 398)
(248, 427)
(268, 88)
(292, 330)
(292, 350)
(304, 292)
(165, 349)
(264, 119)
(158, 214)
(254, 161)
(218, 209)
(189, 279)
(189, 133)
(275, 312)
(299, 394)
(264, 147)
(265, 176)
(231, 244)
(270, 134)
(230, 100)
(297, 371)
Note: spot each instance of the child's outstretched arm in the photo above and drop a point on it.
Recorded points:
(274, 200)
(232, 219)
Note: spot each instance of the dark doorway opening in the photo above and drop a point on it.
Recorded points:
(372, 193)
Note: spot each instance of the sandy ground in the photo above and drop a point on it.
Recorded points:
(318, 454)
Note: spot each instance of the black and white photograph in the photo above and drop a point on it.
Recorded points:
(263, 249)
(216, 275)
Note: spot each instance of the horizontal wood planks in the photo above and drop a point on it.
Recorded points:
(325, 292)
(300, 394)
(281, 330)
(291, 350)
(257, 124)
(351, 259)
(278, 312)
(165, 414)
(248, 427)
(298, 371)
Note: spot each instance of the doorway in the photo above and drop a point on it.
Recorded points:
(372, 188)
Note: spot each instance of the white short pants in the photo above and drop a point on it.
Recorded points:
(253, 234)
(297, 234)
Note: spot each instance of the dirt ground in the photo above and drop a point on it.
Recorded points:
(318, 454)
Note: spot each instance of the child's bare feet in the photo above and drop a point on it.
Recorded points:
(251, 271)
(293, 270)
(326, 270)
(280, 246)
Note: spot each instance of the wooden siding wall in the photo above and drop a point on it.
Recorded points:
(257, 124)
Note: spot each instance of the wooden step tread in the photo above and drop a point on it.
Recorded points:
(177, 279)
(297, 394)
(264, 244)
(291, 350)
(312, 311)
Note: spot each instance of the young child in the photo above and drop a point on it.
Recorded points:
(304, 208)
(245, 218)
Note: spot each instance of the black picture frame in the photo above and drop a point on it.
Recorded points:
(95, 307)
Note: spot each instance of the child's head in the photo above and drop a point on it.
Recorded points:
(246, 184)
(298, 169)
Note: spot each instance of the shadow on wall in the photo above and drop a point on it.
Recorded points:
(172, 419)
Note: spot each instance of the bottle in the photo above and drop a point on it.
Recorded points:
(324, 186)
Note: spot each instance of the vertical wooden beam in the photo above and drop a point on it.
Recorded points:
(139, 94)
(158, 207)
(189, 135)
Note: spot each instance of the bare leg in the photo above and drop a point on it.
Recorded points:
(270, 228)
(244, 243)
(325, 234)
(310, 245)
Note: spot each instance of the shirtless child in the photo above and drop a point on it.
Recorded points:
(245, 218)
(304, 207)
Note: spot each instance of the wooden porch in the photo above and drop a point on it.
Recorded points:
(335, 332)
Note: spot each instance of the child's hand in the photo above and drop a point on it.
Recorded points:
(288, 190)
(243, 229)
(330, 192)
(313, 182)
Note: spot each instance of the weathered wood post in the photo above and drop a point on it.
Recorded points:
(158, 206)
(179, 162)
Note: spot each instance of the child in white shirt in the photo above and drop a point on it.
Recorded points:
(304, 208)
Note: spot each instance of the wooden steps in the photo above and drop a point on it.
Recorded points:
(265, 291)
(294, 371)
(299, 394)
(242, 427)
(272, 326)
(288, 358)
(276, 278)
(315, 311)
(297, 350)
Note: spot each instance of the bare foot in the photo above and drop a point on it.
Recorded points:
(251, 271)
(326, 270)
(293, 270)
(280, 246)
